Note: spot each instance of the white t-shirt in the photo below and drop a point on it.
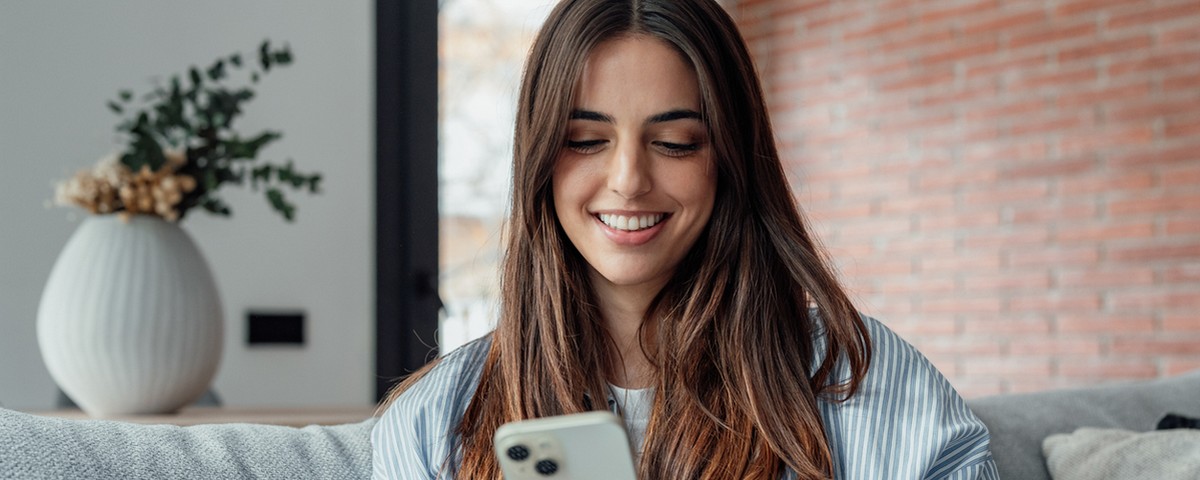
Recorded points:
(634, 405)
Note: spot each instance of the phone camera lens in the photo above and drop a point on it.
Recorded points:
(518, 452)
(546, 467)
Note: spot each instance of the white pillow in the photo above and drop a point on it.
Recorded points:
(1100, 454)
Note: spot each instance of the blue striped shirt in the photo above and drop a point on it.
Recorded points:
(905, 422)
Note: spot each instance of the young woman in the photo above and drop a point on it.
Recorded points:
(656, 259)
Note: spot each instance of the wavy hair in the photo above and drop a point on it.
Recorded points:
(732, 335)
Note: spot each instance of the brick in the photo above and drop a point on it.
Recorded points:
(1156, 61)
(954, 178)
(1182, 83)
(925, 244)
(918, 204)
(875, 187)
(1055, 124)
(956, 11)
(1156, 346)
(1074, 8)
(992, 68)
(1008, 193)
(1104, 323)
(1050, 302)
(1006, 238)
(1016, 152)
(1154, 14)
(1091, 141)
(1090, 233)
(1056, 347)
(1049, 169)
(922, 37)
(1019, 107)
(878, 30)
(1055, 255)
(1052, 35)
(1005, 22)
(1007, 325)
(977, 388)
(979, 262)
(940, 221)
(909, 285)
(1107, 369)
(1180, 367)
(927, 78)
(1089, 97)
(1185, 226)
(1006, 281)
(959, 51)
(1182, 272)
(1181, 322)
(1105, 182)
(960, 346)
(1155, 253)
(1093, 50)
(1160, 203)
(960, 305)
(1105, 277)
(1061, 213)
(1083, 77)
(1183, 126)
(1158, 157)
(1186, 36)
(1144, 111)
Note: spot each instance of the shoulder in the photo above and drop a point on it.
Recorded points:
(905, 417)
(415, 435)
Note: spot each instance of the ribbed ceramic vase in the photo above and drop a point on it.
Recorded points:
(130, 321)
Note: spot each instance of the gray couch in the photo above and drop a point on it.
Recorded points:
(34, 448)
(1019, 423)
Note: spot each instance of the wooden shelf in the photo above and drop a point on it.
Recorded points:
(290, 416)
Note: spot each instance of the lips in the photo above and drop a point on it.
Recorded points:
(630, 230)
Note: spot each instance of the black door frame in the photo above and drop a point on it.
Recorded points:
(406, 188)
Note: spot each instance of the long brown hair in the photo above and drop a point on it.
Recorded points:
(732, 335)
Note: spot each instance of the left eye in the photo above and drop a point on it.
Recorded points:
(585, 146)
(677, 149)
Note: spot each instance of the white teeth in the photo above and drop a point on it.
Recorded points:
(631, 223)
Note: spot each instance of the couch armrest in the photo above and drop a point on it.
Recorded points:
(34, 448)
(1018, 423)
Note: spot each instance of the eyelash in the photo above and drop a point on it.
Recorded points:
(670, 149)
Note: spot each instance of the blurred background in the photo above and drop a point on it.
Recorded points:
(1014, 187)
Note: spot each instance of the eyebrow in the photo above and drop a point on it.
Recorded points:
(668, 116)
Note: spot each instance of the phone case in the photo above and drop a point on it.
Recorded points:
(581, 446)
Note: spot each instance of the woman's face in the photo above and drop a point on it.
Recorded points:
(635, 183)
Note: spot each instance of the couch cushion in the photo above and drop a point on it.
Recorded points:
(1114, 454)
(37, 448)
(1019, 423)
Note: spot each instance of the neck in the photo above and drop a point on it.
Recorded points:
(623, 309)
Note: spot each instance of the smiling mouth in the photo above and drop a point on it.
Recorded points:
(631, 223)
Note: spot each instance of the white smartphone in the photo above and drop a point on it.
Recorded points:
(580, 446)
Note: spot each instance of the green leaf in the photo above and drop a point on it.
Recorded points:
(264, 55)
(217, 71)
(125, 95)
(115, 107)
(236, 60)
(216, 206)
(280, 204)
(195, 75)
(314, 184)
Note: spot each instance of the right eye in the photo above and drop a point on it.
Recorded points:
(585, 146)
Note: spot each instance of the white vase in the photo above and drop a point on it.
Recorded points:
(130, 321)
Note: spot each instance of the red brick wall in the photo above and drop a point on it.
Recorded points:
(1012, 186)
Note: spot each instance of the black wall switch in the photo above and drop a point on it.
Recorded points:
(275, 327)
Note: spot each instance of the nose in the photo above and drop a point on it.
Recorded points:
(629, 174)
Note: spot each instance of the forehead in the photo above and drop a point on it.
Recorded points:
(637, 72)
